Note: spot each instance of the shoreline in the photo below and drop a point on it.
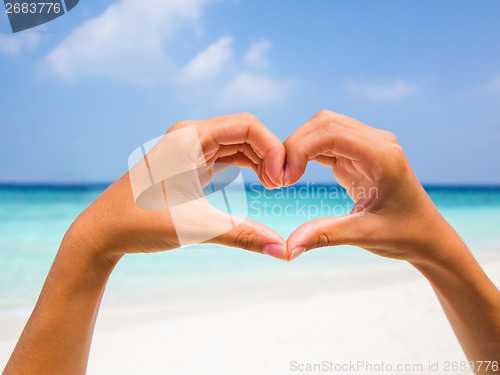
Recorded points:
(232, 291)
(392, 318)
(385, 313)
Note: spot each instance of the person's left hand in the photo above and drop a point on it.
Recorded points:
(114, 224)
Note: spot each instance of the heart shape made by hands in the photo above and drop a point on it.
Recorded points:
(367, 162)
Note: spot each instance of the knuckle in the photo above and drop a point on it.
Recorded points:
(390, 136)
(323, 239)
(245, 238)
(324, 113)
(330, 127)
(248, 117)
(180, 125)
(396, 158)
(396, 152)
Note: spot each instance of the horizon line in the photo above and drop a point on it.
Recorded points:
(104, 185)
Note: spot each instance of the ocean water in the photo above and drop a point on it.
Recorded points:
(33, 220)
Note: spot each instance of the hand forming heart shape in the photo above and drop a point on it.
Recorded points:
(393, 217)
(390, 216)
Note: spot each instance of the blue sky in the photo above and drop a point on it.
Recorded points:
(80, 93)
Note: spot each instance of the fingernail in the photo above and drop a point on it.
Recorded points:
(276, 251)
(296, 252)
(286, 177)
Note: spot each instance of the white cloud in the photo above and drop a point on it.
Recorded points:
(132, 42)
(13, 44)
(126, 43)
(256, 55)
(253, 89)
(395, 90)
(209, 63)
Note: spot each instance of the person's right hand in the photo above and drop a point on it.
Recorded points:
(393, 216)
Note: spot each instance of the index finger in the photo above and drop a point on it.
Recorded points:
(245, 128)
(325, 115)
(322, 135)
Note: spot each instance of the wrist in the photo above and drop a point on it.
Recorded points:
(448, 261)
(86, 247)
(445, 251)
(435, 243)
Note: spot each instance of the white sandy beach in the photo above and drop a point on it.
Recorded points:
(385, 315)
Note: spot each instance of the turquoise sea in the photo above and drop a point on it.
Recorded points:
(33, 220)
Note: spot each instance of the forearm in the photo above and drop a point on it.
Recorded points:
(57, 337)
(470, 300)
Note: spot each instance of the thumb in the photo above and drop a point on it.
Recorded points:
(256, 237)
(331, 231)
